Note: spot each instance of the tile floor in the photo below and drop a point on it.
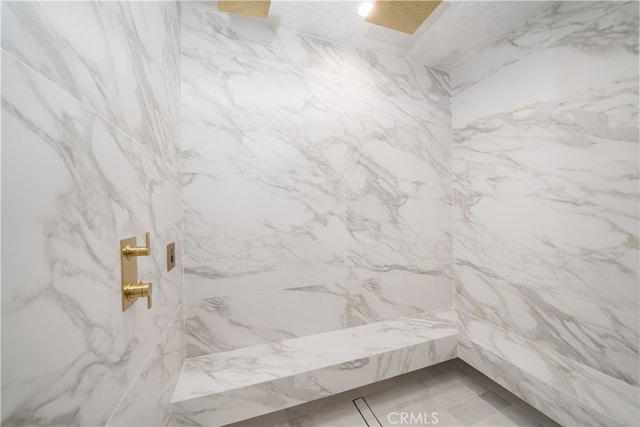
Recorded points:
(448, 394)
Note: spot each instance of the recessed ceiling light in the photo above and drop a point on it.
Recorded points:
(365, 8)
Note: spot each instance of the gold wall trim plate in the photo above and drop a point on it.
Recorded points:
(130, 287)
(129, 267)
(401, 15)
(255, 8)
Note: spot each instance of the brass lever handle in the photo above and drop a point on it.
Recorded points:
(133, 291)
(129, 251)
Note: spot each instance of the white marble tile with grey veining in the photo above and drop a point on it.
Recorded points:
(397, 168)
(227, 370)
(243, 116)
(597, 125)
(208, 32)
(242, 320)
(556, 404)
(395, 136)
(573, 231)
(148, 400)
(275, 376)
(378, 337)
(397, 119)
(546, 172)
(119, 58)
(259, 399)
(549, 26)
(600, 392)
(605, 339)
(396, 77)
(411, 358)
(94, 186)
(396, 294)
(545, 165)
(568, 93)
(396, 226)
(259, 233)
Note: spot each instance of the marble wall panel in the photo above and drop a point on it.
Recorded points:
(545, 178)
(253, 233)
(245, 116)
(594, 389)
(602, 338)
(89, 143)
(121, 60)
(308, 164)
(241, 320)
(396, 294)
(148, 401)
(560, 406)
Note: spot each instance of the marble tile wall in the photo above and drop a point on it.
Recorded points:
(90, 127)
(545, 177)
(316, 182)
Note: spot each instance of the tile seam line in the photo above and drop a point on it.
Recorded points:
(550, 170)
(589, 23)
(453, 202)
(509, 284)
(144, 363)
(325, 178)
(245, 293)
(448, 309)
(537, 378)
(545, 291)
(460, 63)
(539, 347)
(293, 67)
(328, 284)
(84, 105)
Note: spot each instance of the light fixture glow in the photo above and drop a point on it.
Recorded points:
(365, 8)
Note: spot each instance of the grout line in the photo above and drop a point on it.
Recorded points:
(511, 287)
(453, 205)
(536, 378)
(144, 363)
(85, 106)
(535, 346)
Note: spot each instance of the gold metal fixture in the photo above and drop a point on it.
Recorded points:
(131, 288)
(171, 256)
(401, 15)
(132, 251)
(256, 8)
(133, 291)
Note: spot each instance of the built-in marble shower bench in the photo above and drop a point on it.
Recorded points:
(232, 386)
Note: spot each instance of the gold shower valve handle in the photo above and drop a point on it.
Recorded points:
(133, 291)
(131, 251)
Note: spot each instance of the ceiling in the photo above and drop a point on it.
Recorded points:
(453, 32)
